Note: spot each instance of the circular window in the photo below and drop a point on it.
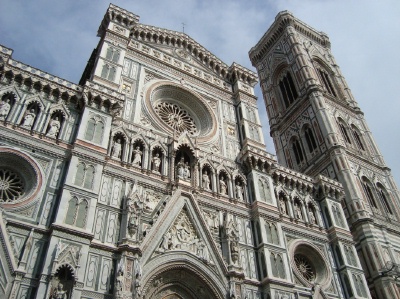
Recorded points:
(305, 267)
(20, 177)
(176, 117)
(176, 110)
(11, 186)
(309, 264)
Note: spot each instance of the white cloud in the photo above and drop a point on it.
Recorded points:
(59, 36)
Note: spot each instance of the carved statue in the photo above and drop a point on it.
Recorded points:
(138, 279)
(156, 163)
(181, 168)
(202, 251)
(312, 217)
(59, 293)
(166, 242)
(232, 228)
(117, 148)
(234, 251)
(119, 283)
(298, 211)
(132, 218)
(206, 180)
(29, 119)
(186, 173)
(54, 127)
(5, 108)
(137, 156)
(212, 220)
(282, 205)
(239, 192)
(222, 185)
(58, 248)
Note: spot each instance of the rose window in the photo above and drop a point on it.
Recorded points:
(305, 267)
(11, 186)
(176, 117)
(20, 178)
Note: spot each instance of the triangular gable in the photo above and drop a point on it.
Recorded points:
(35, 99)
(59, 107)
(175, 43)
(181, 232)
(185, 138)
(11, 89)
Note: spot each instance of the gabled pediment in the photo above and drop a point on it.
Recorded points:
(181, 233)
(184, 52)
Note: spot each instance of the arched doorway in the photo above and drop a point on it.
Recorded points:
(180, 282)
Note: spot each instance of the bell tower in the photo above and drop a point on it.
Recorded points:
(318, 128)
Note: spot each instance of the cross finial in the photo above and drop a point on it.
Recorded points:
(183, 27)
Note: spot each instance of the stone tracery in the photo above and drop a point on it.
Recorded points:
(11, 186)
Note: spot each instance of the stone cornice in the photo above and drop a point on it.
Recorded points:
(155, 35)
(283, 20)
(118, 15)
(54, 81)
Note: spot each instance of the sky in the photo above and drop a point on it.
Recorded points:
(59, 36)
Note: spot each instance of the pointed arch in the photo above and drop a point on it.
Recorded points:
(384, 196)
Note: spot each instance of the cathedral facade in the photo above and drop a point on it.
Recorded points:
(150, 178)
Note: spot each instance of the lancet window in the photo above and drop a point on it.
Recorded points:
(113, 54)
(310, 139)
(84, 176)
(94, 130)
(108, 72)
(326, 81)
(384, 198)
(288, 90)
(357, 138)
(77, 212)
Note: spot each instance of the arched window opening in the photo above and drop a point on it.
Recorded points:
(383, 197)
(312, 145)
(104, 71)
(89, 177)
(326, 82)
(94, 130)
(82, 214)
(80, 174)
(272, 233)
(72, 211)
(112, 54)
(343, 130)
(108, 72)
(281, 267)
(288, 90)
(84, 176)
(298, 152)
(357, 138)
(63, 282)
(368, 192)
